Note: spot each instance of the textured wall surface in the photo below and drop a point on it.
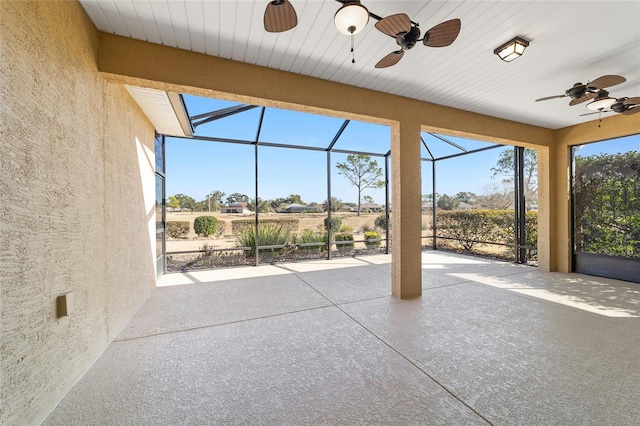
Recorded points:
(77, 193)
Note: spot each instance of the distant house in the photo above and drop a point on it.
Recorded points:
(466, 206)
(427, 206)
(299, 208)
(238, 208)
(368, 208)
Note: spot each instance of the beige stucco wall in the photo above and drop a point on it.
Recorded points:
(182, 71)
(76, 211)
(555, 208)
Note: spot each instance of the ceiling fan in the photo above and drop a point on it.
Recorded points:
(407, 34)
(583, 92)
(352, 17)
(625, 106)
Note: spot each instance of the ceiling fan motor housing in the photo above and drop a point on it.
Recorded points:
(619, 106)
(408, 40)
(577, 91)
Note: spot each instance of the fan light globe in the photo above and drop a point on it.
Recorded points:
(602, 103)
(351, 18)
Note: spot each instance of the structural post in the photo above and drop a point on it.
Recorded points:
(406, 214)
(387, 225)
(433, 206)
(256, 165)
(522, 207)
(329, 207)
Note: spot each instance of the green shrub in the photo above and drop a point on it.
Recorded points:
(380, 222)
(491, 226)
(531, 233)
(177, 229)
(503, 221)
(205, 225)
(347, 229)
(372, 239)
(467, 226)
(344, 236)
(206, 246)
(221, 226)
(336, 223)
(289, 224)
(308, 236)
(269, 234)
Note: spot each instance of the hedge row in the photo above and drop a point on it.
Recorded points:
(203, 226)
(288, 225)
(492, 226)
(177, 229)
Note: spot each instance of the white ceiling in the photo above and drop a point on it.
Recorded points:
(571, 41)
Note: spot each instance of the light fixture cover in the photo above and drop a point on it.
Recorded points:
(601, 103)
(351, 18)
(512, 49)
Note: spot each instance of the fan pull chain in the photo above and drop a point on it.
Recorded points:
(353, 55)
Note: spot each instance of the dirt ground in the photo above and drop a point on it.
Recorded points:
(314, 221)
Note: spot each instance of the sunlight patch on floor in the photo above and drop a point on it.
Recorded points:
(547, 295)
(430, 258)
(227, 274)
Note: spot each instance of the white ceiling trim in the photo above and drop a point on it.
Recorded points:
(165, 110)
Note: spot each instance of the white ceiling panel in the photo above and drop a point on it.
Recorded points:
(571, 41)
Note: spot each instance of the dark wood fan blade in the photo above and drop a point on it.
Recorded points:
(582, 99)
(606, 81)
(391, 59)
(632, 101)
(443, 34)
(634, 110)
(394, 24)
(279, 16)
(550, 97)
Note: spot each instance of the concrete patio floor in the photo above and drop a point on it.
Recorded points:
(324, 343)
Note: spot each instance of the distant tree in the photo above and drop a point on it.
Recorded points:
(497, 197)
(336, 205)
(505, 168)
(295, 199)
(214, 201)
(362, 172)
(236, 197)
(186, 202)
(201, 206)
(429, 197)
(284, 202)
(173, 203)
(467, 197)
(447, 203)
(264, 206)
(368, 199)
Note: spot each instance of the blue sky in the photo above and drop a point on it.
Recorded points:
(196, 168)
